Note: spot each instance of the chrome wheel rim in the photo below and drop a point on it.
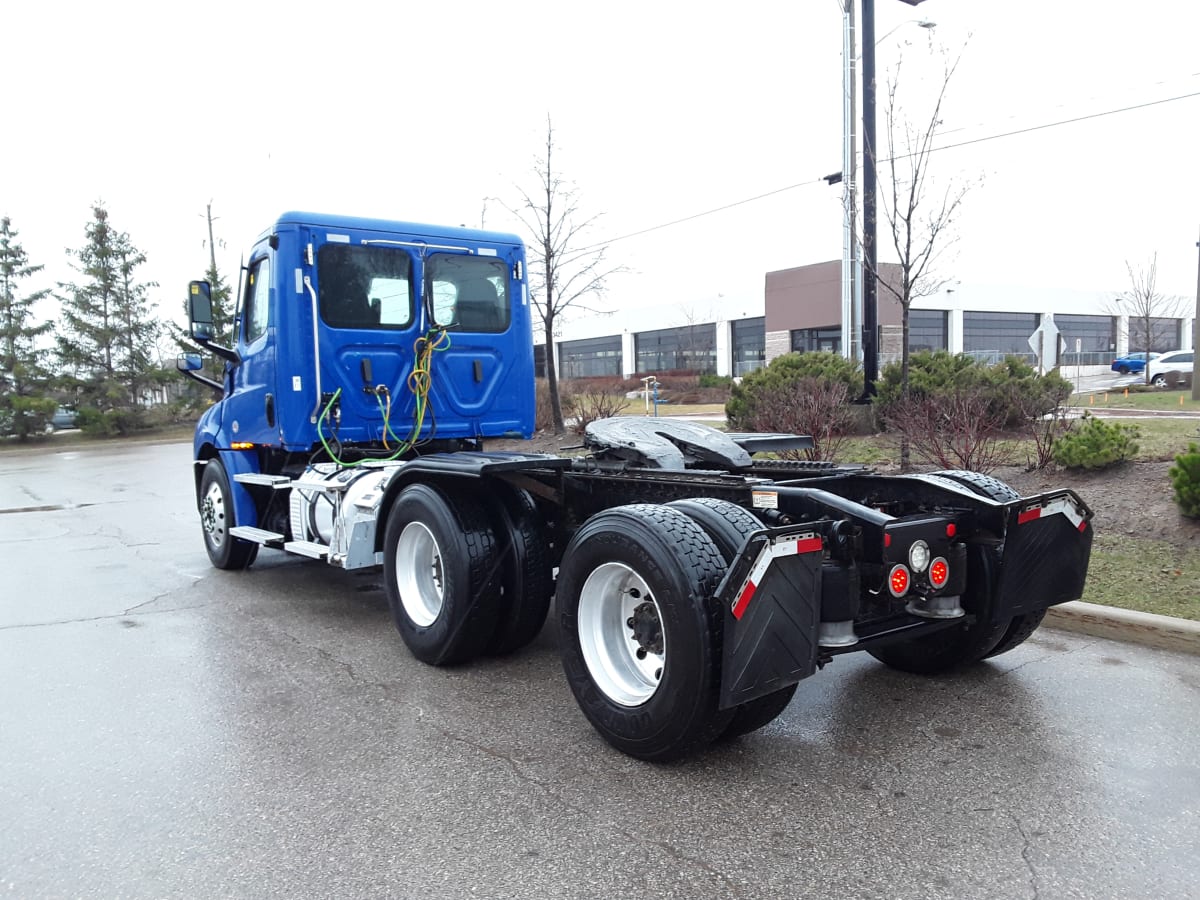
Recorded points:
(212, 516)
(420, 575)
(621, 635)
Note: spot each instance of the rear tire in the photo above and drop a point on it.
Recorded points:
(1020, 627)
(640, 631)
(729, 525)
(526, 583)
(217, 517)
(440, 575)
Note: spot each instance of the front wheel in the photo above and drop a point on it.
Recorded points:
(217, 517)
(640, 632)
(1159, 381)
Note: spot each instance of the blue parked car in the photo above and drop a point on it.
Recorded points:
(1132, 362)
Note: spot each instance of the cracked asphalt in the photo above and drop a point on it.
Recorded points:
(170, 730)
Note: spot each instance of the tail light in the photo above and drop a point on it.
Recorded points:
(898, 580)
(939, 573)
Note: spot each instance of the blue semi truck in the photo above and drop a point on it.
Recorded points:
(696, 576)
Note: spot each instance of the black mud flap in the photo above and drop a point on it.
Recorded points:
(772, 601)
(1047, 546)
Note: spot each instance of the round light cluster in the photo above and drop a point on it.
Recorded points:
(939, 573)
(918, 556)
(898, 581)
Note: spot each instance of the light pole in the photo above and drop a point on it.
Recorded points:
(852, 300)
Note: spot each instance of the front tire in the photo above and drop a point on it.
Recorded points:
(217, 517)
(640, 630)
(440, 575)
(1159, 381)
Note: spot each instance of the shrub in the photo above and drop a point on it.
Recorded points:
(763, 394)
(956, 428)
(1096, 444)
(1185, 479)
(1014, 391)
(587, 408)
(716, 381)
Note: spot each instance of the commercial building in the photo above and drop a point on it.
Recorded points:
(800, 310)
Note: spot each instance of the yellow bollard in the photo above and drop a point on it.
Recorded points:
(1091, 400)
(1181, 399)
(1106, 398)
(1126, 392)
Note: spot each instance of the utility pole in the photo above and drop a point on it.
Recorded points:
(870, 292)
(870, 319)
(1196, 326)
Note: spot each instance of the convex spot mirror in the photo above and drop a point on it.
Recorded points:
(200, 311)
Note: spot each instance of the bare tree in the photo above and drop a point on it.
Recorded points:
(1150, 313)
(919, 214)
(565, 271)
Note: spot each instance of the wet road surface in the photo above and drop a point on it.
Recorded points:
(170, 730)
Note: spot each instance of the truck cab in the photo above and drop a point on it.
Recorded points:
(369, 333)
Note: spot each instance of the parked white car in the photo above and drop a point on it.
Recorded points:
(1161, 369)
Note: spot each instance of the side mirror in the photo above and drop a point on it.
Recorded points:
(200, 310)
(189, 362)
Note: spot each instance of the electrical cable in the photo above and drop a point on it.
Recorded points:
(979, 140)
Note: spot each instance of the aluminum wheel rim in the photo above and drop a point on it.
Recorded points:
(212, 516)
(420, 576)
(621, 668)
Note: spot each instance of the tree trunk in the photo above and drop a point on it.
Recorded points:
(905, 447)
(556, 415)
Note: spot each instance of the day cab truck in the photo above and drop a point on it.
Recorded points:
(697, 576)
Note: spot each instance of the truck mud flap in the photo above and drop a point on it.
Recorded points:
(1047, 545)
(772, 601)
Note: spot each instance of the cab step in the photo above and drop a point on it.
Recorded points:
(272, 481)
(257, 535)
(311, 549)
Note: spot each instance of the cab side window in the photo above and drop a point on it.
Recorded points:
(258, 289)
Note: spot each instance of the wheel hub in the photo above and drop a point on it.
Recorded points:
(646, 627)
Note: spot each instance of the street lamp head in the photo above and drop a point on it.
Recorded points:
(925, 23)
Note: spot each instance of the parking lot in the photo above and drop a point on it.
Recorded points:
(167, 729)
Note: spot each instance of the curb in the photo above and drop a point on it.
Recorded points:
(1148, 629)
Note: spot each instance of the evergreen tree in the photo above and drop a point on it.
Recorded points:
(25, 407)
(222, 311)
(107, 334)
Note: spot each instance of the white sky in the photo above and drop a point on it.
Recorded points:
(661, 110)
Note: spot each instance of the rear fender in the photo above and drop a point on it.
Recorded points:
(772, 607)
(1047, 546)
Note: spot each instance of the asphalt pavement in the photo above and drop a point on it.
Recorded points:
(168, 730)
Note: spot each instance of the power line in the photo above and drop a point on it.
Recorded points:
(980, 140)
(707, 212)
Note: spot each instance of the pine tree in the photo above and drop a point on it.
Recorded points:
(108, 330)
(222, 310)
(25, 406)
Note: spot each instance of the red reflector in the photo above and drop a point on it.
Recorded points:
(1029, 515)
(898, 581)
(951, 530)
(810, 545)
(939, 572)
(1082, 527)
(887, 539)
(739, 607)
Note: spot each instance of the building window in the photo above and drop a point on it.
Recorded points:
(539, 360)
(749, 345)
(1164, 334)
(990, 336)
(690, 348)
(591, 358)
(927, 329)
(1095, 335)
(827, 338)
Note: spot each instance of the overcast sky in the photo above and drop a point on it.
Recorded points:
(662, 110)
